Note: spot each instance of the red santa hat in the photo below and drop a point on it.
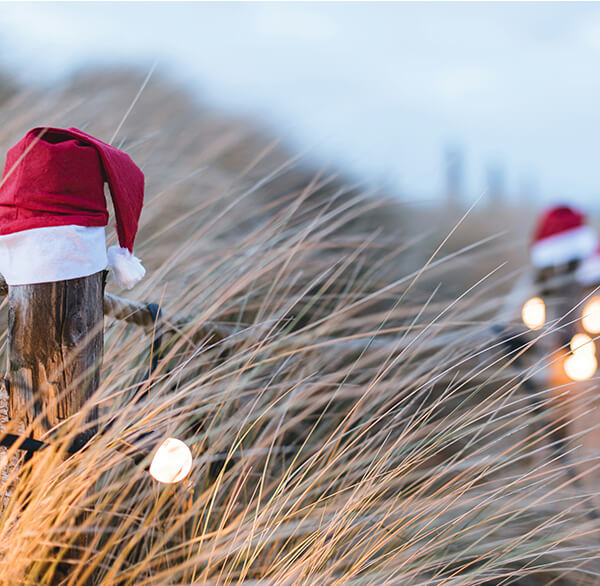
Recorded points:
(561, 236)
(53, 209)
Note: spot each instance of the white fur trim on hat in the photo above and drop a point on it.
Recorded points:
(575, 244)
(126, 268)
(53, 253)
(589, 271)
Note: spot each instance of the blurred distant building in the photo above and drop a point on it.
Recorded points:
(496, 184)
(528, 189)
(8, 86)
(454, 164)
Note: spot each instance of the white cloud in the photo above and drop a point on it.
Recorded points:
(589, 32)
(304, 22)
(463, 82)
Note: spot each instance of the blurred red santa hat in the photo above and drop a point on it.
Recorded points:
(53, 210)
(561, 236)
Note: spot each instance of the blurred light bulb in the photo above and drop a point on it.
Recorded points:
(172, 461)
(591, 316)
(582, 343)
(580, 366)
(534, 313)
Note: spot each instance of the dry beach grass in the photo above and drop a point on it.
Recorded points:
(363, 427)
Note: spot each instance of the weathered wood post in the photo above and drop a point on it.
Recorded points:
(53, 255)
(55, 347)
(55, 339)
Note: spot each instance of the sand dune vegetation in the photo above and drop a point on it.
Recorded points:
(360, 425)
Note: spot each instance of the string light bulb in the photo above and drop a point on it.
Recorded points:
(591, 316)
(582, 363)
(582, 343)
(172, 461)
(581, 366)
(534, 313)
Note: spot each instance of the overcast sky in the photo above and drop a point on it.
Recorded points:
(380, 88)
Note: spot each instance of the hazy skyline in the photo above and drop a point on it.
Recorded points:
(380, 89)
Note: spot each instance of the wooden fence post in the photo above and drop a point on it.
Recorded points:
(55, 350)
(55, 339)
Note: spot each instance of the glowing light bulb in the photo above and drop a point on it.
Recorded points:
(591, 316)
(582, 343)
(581, 366)
(534, 313)
(172, 461)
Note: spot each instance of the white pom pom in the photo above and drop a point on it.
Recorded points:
(126, 268)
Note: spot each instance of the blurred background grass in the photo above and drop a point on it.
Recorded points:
(197, 152)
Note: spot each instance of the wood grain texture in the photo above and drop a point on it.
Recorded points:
(55, 350)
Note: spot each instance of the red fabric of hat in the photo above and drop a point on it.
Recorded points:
(557, 220)
(561, 236)
(55, 177)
